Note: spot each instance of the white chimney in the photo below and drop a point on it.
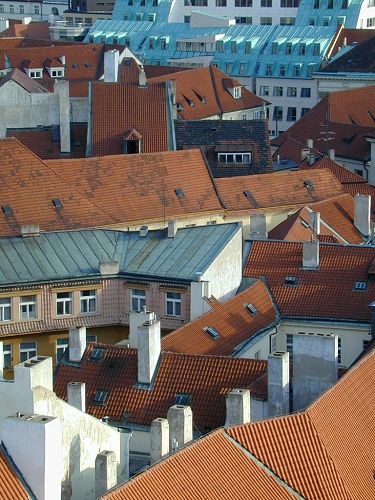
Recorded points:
(331, 154)
(111, 63)
(304, 153)
(34, 442)
(362, 213)
(159, 439)
(314, 222)
(142, 78)
(105, 472)
(61, 88)
(148, 350)
(136, 319)
(109, 268)
(278, 384)
(77, 343)
(309, 143)
(35, 372)
(172, 228)
(258, 227)
(180, 419)
(238, 407)
(310, 254)
(1, 360)
(143, 231)
(77, 395)
(62, 60)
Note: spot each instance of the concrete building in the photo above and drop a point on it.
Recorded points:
(37, 10)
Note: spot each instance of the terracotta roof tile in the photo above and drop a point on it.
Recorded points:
(24, 81)
(36, 30)
(341, 173)
(117, 107)
(199, 471)
(176, 374)
(11, 486)
(269, 190)
(359, 59)
(231, 320)
(350, 36)
(326, 293)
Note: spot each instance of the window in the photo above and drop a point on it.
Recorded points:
(289, 345)
(11, 9)
(366, 343)
(163, 44)
(88, 301)
(186, 19)
(214, 334)
(220, 46)
(257, 355)
(243, 3)
(244, 117)
(27, 351)
(326, 21)
(173, 304)
(282, 71)
(1, 8)
(358, 171)
(278, 113)
(370, 22)
(330, 4)
(61, 345)
(64, 303)
(302, 49)
(266, 3)
(288, 49)
(278, 91)
(287, 21)
(36, 9)
(242, 68)
(289, 3)
(233, 47)
(291, 115)
(269, 69)
(100, 397)
(91, 338)
(244, 20)
(237, 92)
(28, 307)
(229, 68)
(7, 352)
(297, 70)
(344, 4)
(316, 51)
(305, 92)
(273, 345)
(339, 350)
(138, 299)
(22, 9)
(264, 90)
(291, 92)
(196, 3)
(312, 21)
(266, 21)
(316, 4)
(304, 111)
(5, 309)
(234, 157)
(310, 70)
(57, 73)
(151, 44)
(221, 3)
(35, 74)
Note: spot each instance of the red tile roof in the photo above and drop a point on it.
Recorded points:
(202, 92)
(341, 173)
(230, 319)
(279, 189)
(11, 486)
(349, 37)
(210, 468)
(36, 30)
(325, 293)
(24, 81)
(176, 374)
(117, 107)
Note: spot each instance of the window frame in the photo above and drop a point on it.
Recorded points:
(31, 313)
(92, 296)
(3, 307)
(135, 296)
(29, 349)
(176, 303)
(64, 301)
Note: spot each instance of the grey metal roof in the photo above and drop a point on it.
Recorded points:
(76, 254)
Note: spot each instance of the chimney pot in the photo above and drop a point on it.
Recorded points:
(77, 395)
(105, 472)
(309, 143)
(111, 64)
(258, 227)
(142, 78)
(304, 153)
(278, 384)
(331, 154)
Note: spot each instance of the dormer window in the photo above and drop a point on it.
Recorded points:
(132, 142)
(57, 73)
(35, 73)
(237, 92)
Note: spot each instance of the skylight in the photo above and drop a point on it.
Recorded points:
(291, 281)
(212, 332)
(100, 397)
(247, 194)
(7, 210)
(179, 193)
(252, 309)
(97, 354)
(57, 203)
(360, 286)
(182, 399)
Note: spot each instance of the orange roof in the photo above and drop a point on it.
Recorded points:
(279, 189)
(324, 293)
(176, 374)
(231, 320)
(210, 468)
(10, 483)
(143, 187)
(202, 93)
(38, 30)
(117, 107)
(341, 173)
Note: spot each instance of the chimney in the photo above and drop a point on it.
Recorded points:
(77, 343)
(29, 230)
(105, 472)
(304, 153)
(362, 213)
(331, 154)
(372, 310)
(34, 443)
(77, 395)
(258, 227)
(314, 222)
(142, 78)
(62, 59)
(159, 439)
(278, 384)
(311, 158)
(136, 319)
(62, 90)
(172, 228)
(309, 143)
(111, 63)
(310, 255)
(238, 407)
(314, 367)
(148, 350)
(1, 360)
(180, 420)
(109, 268)
(35, 372)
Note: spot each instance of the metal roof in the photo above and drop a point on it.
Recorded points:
(76, 254)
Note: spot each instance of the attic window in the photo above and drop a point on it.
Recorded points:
(57, 203)
(179, 107)
(247, 194)
(100, 397)
(212, 332)
(87, 65)
(252, 309)
(308, 184)
(360, 286)
(97, 354)
(75, 66)
(237, 92)
(291, 281)
(7, 210)
(182, 399)
(179, 193)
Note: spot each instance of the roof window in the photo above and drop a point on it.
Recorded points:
(97, 354)
(247, 194)
(291, 281)
(100, 397)
(182, 399)
(360, 286)
(57, 203)
(212, 332)
(252, 309)
(179, 193)
(7, 210)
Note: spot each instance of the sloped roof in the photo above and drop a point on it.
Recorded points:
(280, 189)
(117, 107)
(359, 59)
(351, 37)
(143, 187)
(176, 374)
(327, 292)
(11, 485)
(36, 30)
(201, 93)
(230, 319)
(29, 84)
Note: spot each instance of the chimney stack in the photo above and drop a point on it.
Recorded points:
(136, 319)
(238, 407)
(105, 472)
(258, 227)
(310, 255)
(142, 78)
(148, 350)
(362, 213)
(309, 143)
(77, 395)
(180, 419)
(331, 154)
(314, 222)
(61, 88)
(77, 343)
(304, 153)
(172, 228)
(278, 384)
(111, 63)
(159, 439)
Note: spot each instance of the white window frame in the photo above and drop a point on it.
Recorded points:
(237, 92)
(138, 296)
(30, 351)
(237, 157)
(86, 302)
(175, 302)
(4, 307)
(61, 347)
(7, 351)
(67, 303)
(29, 304)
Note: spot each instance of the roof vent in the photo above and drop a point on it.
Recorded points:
(179, 107)
(291, 281)
(308, 184)
(143, 231)
(212, 332)
(252, 309)
(57, 203)
(7, 210)
(360, 286)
